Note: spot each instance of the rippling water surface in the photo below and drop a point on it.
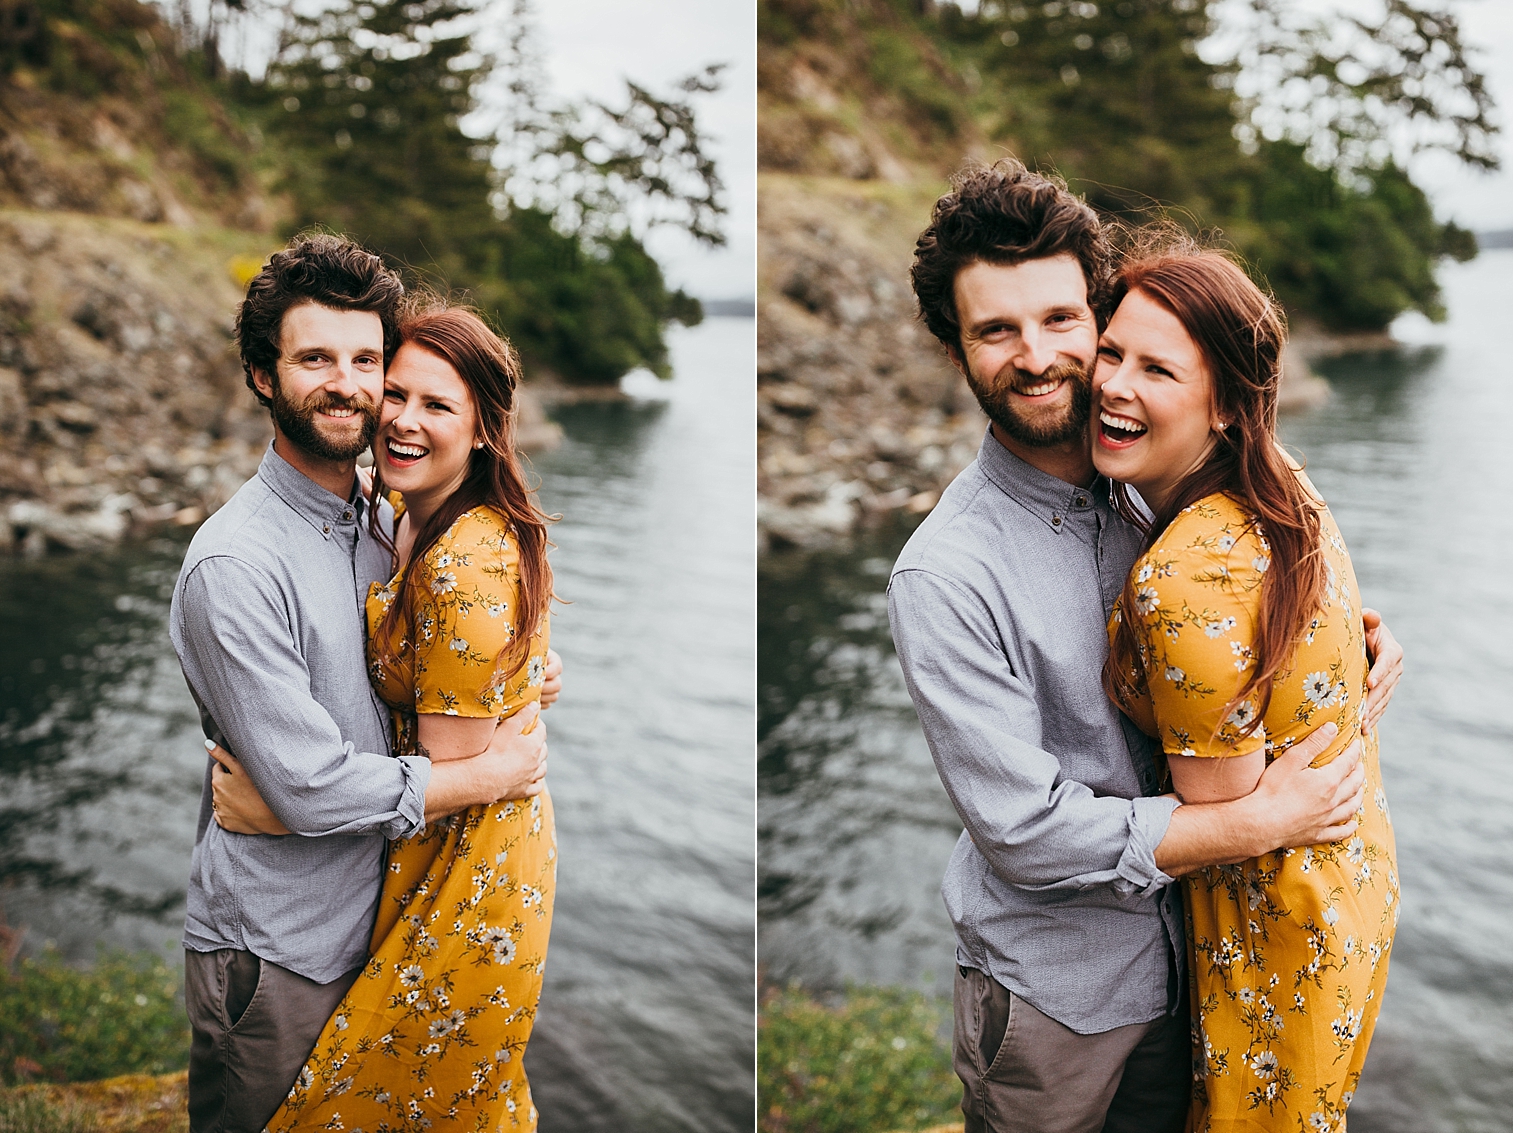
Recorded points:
(646, 1022)
(1413, 457)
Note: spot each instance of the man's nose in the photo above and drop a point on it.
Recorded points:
(343, 378)
(1035, 355)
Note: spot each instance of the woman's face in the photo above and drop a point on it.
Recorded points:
(428, 427)
(1153, 396)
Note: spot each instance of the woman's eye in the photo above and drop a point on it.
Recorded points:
(1108, 353)
(393, 395)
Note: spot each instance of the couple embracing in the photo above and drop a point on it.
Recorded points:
(372, 880)
(1136, 646)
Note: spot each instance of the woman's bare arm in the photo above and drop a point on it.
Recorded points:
(1198, 779)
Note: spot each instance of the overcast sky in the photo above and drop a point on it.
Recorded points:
(591, 47)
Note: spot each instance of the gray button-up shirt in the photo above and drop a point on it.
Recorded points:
(999, 604)
(268, 623)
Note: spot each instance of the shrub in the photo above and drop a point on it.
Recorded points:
(875, 1062)
(124, 1015)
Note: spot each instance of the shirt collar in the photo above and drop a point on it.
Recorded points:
(1054, 502)
(325, 511)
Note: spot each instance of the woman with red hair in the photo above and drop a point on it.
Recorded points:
(1239, 633)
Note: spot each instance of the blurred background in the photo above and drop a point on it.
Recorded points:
(1351, 153)
(585, 174)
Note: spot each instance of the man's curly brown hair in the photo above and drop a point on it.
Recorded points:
(1004, 214)
(315, 268)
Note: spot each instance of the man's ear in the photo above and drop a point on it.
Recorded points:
(262, 381)
(957, 360)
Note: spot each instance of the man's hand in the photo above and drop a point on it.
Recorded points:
(234, 800)
(1294, 804)
(552, 688)
(1386, 667)
(513, 766)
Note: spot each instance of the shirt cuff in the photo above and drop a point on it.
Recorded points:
(1137, 870)
(410, 813)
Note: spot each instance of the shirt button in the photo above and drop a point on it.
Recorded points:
(1082, 501)
(1055, 521)
(327, 529)
(346, 515)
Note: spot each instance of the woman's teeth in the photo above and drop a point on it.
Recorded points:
(1120, 428)
(406, 452)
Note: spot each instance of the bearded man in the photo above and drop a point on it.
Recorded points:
(1070, 996)
(267, 620)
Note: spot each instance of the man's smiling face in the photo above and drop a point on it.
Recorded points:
(1028, 340)
(330, 380)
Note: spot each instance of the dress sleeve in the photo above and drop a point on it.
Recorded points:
(1197, 596)
(466, 619)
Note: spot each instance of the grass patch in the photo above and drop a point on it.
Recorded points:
(124, 1015)
(32, 1113)
(871, 1063)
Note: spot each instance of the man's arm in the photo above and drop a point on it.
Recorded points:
(1294, 804)
(1039, 830)
(513, 766)
(236, 638)
(1036, 829)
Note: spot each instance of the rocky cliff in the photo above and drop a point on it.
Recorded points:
(131, 217)
(859, 413)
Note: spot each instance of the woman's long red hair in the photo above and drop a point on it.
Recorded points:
(1240, 331)
(490, 368)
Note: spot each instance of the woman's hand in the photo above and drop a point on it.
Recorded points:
(551, 689)
(1386, 668)
(234, 800)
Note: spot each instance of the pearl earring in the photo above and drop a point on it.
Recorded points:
(477, 444)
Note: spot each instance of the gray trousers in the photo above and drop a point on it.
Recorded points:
(253, 1024)
(1023, 1072)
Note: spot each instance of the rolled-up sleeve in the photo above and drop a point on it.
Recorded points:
(237, 643)
(1037, 830)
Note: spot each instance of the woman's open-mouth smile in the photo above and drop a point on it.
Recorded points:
(1118, 432)
(400, 454)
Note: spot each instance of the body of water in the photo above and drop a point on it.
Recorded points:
(647, 1019)
(855, 829)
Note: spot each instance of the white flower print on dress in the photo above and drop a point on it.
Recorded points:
(1320, 690)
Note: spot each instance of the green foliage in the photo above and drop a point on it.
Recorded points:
(1353, 256)
(123, 1016)
(27, 1113)
(365, 105)
(873, 1063)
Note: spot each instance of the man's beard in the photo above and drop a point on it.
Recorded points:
(296, 420)
(1046, 429)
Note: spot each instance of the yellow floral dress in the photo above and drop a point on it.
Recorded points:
(431, 1034)
(1288, 952)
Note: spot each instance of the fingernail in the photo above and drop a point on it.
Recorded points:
(209, 745)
